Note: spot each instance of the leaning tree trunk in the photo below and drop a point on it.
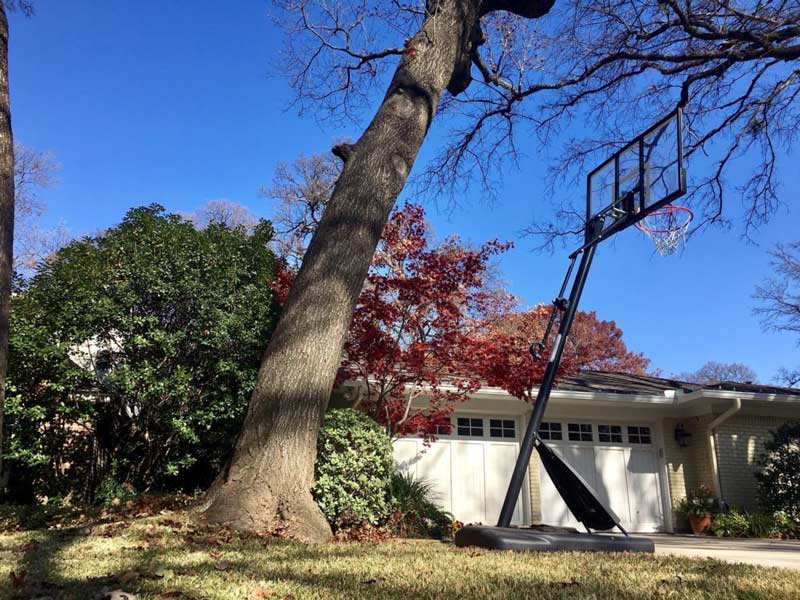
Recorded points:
(267, 483)
(6, 219)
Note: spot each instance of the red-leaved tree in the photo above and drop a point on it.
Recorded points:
(503, 360)
(415, 324)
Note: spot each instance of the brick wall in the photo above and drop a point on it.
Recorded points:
(690, 466)
(535, 489)
(740, 441)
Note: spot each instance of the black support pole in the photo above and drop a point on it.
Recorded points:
(526, 449)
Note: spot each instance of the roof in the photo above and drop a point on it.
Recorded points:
(623, 383)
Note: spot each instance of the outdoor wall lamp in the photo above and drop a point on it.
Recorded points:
(682, 436)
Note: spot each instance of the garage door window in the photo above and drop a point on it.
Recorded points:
(550, 431)
(470, 427)
(609, 434)
(579, 432)
(444, 428)
(639, 435)
(502, 428)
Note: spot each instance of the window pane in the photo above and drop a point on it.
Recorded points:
(463, 430)
(495, 432)
(509, 433)
(494, 423)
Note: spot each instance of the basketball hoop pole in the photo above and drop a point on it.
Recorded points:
(593, 238)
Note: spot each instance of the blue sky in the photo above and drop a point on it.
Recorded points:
(174, 103)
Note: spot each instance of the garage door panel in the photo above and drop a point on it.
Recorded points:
(580, 458)
(468, 482)
(612, 480)
(435, 468)
(406, 455)
(500, 460)
(643, 488)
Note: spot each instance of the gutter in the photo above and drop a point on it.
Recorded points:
(735, 407)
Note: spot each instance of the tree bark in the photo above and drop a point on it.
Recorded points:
(6, 220)
(267, 483)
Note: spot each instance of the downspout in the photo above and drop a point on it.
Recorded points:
(712, 427)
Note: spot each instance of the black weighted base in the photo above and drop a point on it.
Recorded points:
(532, 540)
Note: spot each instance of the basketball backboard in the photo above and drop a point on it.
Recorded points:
(642, 177)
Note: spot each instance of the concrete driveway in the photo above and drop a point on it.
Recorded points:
(768, 553)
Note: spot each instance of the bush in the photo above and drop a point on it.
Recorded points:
(779, 480)
(697, 502)
(353, 470)
(738, 523)
(731, 524)
(134, 353)
(113, 493)
(414, 511)
(786, 527)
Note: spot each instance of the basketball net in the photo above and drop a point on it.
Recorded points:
(667, 227)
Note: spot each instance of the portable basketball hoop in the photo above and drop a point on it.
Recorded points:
(634, 186)
(667, 227)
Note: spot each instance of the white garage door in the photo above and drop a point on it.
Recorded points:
(618, 461)
(468, 469)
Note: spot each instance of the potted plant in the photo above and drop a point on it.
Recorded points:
(699, 506)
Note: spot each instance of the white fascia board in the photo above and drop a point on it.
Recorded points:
(731, 395)
(574, 396)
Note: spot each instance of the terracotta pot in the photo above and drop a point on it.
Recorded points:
(700, 523)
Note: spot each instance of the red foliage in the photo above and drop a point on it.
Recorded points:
(414, 325)
(503, 360)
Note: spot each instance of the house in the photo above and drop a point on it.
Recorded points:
(641, 442)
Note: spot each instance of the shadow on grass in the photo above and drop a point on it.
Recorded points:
(196, 563)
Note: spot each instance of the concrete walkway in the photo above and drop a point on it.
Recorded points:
(768, 553)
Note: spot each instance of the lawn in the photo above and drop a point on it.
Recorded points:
(170, 556)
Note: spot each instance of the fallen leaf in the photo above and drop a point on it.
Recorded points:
(222, 565)
(31, 546)
(677, 578)
(259, 593)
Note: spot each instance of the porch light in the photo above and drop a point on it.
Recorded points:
(682, 436)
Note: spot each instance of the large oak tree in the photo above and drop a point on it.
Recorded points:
(267, 483)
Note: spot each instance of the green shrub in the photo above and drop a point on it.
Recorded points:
(779, 479)
(414, 509)
(786, 526)
(353, 470)
(697, 502)
(113, 493)
(731, 524)
(762, 525)
(140, 346)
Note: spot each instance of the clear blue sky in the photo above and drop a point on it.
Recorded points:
(172, 102)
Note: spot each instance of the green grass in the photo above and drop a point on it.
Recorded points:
(169, 556)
